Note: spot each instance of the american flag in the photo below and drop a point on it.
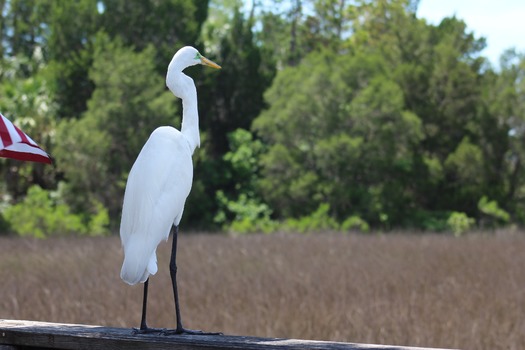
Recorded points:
(15, 144)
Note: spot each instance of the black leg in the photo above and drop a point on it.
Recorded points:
(144, 329)
(143, 324)
(173, 273)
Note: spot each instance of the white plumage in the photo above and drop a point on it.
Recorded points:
(154, 200)
(159, 183)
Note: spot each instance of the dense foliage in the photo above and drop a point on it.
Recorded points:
(326, 115)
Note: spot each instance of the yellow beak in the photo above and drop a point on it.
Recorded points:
(209, 63)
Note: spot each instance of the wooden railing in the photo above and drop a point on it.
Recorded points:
(29, 335)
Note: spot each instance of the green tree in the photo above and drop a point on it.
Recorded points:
(26, 101)
(290, 31)
(375, 116)
(242, 209)
(123, 110)
(465, 169)
(228, 99)
(506, 103)
(40, 216)
(71, 26)
(22, 26)
(442, 77)
(338, 134)
(166, 25)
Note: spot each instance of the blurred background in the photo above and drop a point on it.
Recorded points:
(327, 115)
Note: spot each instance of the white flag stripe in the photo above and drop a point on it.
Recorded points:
(12, 132)
(31, 140)
(25, 148)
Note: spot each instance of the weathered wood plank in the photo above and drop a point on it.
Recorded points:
(7, 347)
(21, 334)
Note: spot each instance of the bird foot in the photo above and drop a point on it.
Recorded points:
(168, 332)
(148, 330)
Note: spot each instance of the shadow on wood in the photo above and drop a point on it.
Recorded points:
(30, 334)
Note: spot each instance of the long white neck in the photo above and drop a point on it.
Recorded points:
(183, 87)
(190, 120)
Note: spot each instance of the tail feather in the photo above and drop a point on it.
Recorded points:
(138, 264)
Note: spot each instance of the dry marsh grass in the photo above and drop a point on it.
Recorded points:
(398, 289)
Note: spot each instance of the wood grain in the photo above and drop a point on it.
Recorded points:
(15, 334)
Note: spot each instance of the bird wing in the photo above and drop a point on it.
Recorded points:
(157, 187)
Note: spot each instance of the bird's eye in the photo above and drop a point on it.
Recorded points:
(197, 56)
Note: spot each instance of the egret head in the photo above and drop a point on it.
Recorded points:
(189, 56)
(180, 84)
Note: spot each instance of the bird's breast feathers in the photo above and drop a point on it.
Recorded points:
(159, 182)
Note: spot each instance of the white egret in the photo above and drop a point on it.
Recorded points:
(158, 184)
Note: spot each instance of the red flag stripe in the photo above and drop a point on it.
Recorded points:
(4, 133)
(30, 157)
